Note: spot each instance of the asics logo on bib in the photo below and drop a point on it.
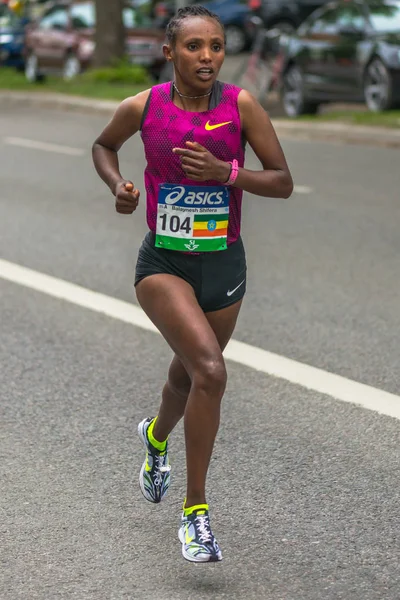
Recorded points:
(194, 198)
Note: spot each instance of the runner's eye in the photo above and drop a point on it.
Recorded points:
(192, 47)
(217, 47)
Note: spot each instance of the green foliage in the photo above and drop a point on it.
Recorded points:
(121, 73)
(10, 78)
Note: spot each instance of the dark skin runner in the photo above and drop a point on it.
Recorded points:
(197, 375)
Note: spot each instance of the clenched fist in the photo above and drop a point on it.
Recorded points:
(126, 197)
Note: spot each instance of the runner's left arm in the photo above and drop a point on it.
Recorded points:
(274, 180)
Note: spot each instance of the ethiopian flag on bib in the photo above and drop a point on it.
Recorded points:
(210, 226)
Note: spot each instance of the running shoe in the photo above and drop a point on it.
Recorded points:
(197, 539)
(154, 478)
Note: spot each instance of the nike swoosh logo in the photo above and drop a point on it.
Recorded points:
(188, 538)
(230, 292)
(211, 127)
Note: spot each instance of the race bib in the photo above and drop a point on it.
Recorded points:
(192, 218)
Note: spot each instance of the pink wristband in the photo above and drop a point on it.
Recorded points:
(234, 172)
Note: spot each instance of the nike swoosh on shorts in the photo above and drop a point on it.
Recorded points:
(230, 292)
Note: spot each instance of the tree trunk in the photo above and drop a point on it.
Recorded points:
(110, 32)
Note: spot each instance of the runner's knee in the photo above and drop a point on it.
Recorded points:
(210, 376)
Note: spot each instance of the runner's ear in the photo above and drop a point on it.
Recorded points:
(167, 52)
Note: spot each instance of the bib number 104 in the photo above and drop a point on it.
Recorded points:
(174, 223)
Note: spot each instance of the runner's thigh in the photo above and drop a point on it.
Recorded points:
(170, 303)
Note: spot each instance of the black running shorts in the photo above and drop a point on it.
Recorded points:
(218, 278)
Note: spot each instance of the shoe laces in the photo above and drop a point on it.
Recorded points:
(160, 468)
(202, 523)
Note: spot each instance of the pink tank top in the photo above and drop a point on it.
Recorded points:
(166, 126)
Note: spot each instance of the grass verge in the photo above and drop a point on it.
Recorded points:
(390, 118)
(85, 85)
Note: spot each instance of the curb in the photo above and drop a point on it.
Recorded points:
(337, 132)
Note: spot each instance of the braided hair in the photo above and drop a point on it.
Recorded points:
(194, 10)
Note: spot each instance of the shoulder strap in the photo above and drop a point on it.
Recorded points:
(216, 95)
(145, 110)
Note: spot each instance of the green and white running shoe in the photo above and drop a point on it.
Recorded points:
(196, 537)
(154, 477)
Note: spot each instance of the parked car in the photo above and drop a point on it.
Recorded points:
(12, 37)
(345, 52)
(233, 15)
(62, 41)
(282, 15)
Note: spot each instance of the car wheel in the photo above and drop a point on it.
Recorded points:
(71, 68)
(378, 86)
(293, 99)
(32, 72)
(235, 39)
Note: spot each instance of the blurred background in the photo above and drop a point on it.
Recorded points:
(304, 482)
(299, 57)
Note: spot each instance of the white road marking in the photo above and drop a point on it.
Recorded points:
(46, 147)
(295, 372)
(302, 189)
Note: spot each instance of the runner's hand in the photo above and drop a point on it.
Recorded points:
(126, 198)
(200, 165)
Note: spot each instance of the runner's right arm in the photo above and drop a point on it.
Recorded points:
(123, 125)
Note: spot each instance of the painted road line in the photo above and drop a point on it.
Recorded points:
(46, 147)
(295, 372)
(302, 189)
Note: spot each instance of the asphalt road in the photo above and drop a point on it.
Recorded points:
(303, 488)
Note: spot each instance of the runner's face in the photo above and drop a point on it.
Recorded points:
(198, 52)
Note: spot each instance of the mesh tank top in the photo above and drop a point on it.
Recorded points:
(166, 126)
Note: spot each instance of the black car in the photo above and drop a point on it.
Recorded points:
(345, 52)
(282, 15)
